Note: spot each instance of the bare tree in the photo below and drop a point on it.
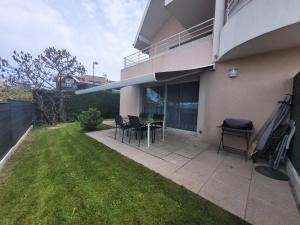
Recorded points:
(59, 64)
(42, 73)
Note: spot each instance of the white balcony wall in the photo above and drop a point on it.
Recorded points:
(255, 19)
(191, 55)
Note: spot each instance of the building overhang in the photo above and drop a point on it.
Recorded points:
(268, 42)
(158, 12)
(155, 15)
(148, 78)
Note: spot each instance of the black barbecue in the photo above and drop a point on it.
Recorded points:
(239, 128)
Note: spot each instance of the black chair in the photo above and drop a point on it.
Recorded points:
(121, 124)
(136, 125)
(144, 115)
(158, 125)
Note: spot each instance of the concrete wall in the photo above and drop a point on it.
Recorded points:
(130, 100)
(262, 80)
(255, 19)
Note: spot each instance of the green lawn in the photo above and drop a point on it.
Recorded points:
(60, 176)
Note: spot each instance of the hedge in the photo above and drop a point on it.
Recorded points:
(105, 101)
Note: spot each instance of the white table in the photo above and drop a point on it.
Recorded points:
(148, 123)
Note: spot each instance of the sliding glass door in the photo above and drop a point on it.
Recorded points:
(182, 104)
(153, 100)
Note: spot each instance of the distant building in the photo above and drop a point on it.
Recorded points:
(68, 82)
(87, 81)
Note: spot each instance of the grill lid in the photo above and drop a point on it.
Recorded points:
(238, 124)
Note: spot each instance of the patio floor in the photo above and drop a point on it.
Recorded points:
(225, 179)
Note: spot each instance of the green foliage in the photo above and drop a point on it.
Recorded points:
(61, 176)
(15, 94)
(90, 119)
(106, 102)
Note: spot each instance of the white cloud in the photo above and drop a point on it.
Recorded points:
(101, 30)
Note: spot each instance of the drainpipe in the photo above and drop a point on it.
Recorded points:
(165, 104)
(218, 24)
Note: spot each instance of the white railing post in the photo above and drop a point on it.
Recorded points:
(179, 39)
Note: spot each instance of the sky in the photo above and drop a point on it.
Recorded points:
(91, 30)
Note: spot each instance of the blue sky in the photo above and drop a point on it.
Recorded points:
(101, 30)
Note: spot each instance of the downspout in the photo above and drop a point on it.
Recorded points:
(218, 24)
(165, 104)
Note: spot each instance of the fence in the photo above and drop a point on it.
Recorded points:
(15, 119)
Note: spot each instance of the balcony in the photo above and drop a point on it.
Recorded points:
(256, 27)
(173, 42)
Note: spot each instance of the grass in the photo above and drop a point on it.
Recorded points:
(60, 176)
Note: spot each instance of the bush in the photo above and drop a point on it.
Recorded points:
(90, 119)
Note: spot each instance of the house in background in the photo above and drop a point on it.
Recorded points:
(67, 82)
(87, 81)
(200, 61)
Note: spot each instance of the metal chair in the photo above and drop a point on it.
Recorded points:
(119, 121)
(144, 115)
(136, 125)
(158, 125)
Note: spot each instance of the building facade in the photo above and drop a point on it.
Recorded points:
(201, 61)
(248, 37)
(211, 60)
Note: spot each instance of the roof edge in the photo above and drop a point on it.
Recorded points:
(141, 23)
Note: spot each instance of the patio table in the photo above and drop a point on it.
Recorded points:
(148, 122)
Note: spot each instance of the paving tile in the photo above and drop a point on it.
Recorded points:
(262, 213)
(273, 192)
(207, 158)
(176, 159)
(225, 196)
(225, 179)
(188, 153)
(189, 179)
(236, 182)
(238, 167)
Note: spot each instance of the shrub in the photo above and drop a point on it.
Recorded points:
(90, 119)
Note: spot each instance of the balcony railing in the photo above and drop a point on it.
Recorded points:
(191, 34)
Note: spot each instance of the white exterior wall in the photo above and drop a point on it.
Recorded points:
(262, 81)
(256, 18)
(189, 56)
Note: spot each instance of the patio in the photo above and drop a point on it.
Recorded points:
(225, 179)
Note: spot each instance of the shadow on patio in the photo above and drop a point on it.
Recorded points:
(225, 179)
